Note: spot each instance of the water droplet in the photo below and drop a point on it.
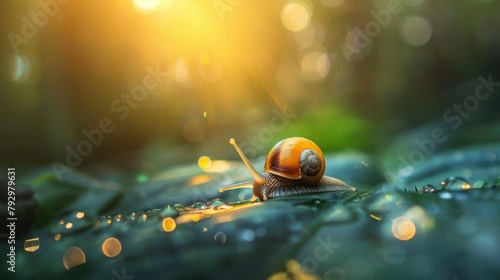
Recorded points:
(198, 206)
(119, 218)
(31, 245)
(71, 222)
(80, 215)
(428, 189)
(178, 206)
(150, 214)
(220, 237)
(218, 204)
(103, 222)
(480, 184)
(455, 184)
(169, 212)
(132, 217)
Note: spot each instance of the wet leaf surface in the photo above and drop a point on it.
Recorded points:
(175, 225)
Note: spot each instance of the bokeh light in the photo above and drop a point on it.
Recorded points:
(149, 6)
(168, 224)
(295, 16)
(311, 36)
(16, 67)
(73, 256)
(204, 162)
(403, 228)
(416, 31)
(315, 65)
(111, 247)
(220, 237)
(32, 244)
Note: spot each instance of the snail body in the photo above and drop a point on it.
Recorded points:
(293, 166)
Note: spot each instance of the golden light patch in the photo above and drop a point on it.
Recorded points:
(204, 162)
(74, 256)
(31, 245)
(403, 228)
(111, 247)
(168, 224)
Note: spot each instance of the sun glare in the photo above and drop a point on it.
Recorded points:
(149, 6)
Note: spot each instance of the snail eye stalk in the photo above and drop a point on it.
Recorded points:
(258, 179)
(243, 185)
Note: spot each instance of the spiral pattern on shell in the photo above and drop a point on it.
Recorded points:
(310, 163)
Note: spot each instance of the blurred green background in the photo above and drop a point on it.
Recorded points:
(348, 74)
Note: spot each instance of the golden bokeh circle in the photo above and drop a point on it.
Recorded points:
(168, 224)
(73, 256)
(111, 247)
(403, 228)
(204, 162)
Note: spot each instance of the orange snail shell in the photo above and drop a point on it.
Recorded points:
(296, 158)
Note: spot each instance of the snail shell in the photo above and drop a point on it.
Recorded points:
(293, 166)
(296, 158)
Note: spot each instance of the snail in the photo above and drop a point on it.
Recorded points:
(294, 165)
